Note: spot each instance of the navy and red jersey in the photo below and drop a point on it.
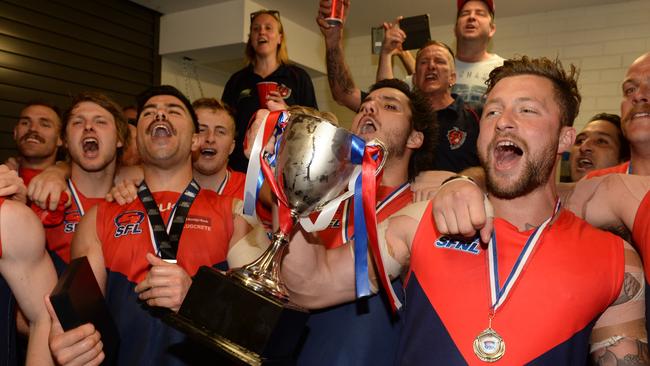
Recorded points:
(574, 273)
(363, 332)
(124, 234)
(28, 174)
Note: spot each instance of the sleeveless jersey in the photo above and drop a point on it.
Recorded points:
(341, 228)
(59, 236)
(620, 169)
(28, 174)
(234, 186)
(641, 239)
(574, 273)
(124, 233)
(363, 332)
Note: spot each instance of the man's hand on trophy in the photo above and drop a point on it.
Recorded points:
(165, 285)
(461, 208)
(79, 346)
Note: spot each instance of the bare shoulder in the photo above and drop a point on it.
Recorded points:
(21, 231)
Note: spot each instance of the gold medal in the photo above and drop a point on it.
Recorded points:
(489, 346)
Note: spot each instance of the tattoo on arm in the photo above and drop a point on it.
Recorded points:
(338, 73)
(631, 287)
(637, 354)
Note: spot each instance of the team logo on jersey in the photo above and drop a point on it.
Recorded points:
(71, 220)
(472, 247)
(128, 223)
(335, 223)
(456, 138)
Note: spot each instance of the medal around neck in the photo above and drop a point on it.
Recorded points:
(489, 346)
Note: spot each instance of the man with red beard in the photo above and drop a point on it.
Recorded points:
(37, 137)
(95, 134)
(635, 119)
(217, 130)
(144, 253)
(540, 292)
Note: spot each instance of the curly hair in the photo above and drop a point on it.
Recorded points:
(423, 119)
(565, 82)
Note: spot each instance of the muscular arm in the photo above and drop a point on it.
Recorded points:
(340, 80)
(619, 336)
(28, 270)
(316, 277)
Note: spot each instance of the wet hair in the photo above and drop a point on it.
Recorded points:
(282, 56)
(565, 82)
(46, 104)
(624, 146)
(108, 104)
(215, 105)
(144, 97)
(423, 119)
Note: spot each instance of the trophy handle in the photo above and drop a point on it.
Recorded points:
(384, 149)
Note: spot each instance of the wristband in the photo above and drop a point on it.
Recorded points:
(456, 177)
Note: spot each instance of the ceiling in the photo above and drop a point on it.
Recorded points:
(367, 13)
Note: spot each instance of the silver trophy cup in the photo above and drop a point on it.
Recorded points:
(313, 168)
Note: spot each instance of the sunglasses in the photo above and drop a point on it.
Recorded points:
(273, 13)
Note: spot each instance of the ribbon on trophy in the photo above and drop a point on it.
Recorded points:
(273, 124)
(365, 227)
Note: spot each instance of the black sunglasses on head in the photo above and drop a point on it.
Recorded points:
(273, 13)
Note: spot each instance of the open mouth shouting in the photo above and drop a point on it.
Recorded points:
(506, 154)
(208, 152)
(32, 138)
(367, 126)
(585, 164)
(90, 146)
(161, 129)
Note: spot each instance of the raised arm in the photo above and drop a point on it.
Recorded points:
(619, 336)
(391, 45)
(342, 86)
(28, 270)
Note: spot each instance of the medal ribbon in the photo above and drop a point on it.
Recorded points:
(165, 239)
(499, 294)
(345, 232)
(75, 197)
(222, 186)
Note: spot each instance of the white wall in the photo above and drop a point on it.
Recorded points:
(601, 40)
(212, 82)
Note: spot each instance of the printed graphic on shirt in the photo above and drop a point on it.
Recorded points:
(71, 220)
(472, 247)
(128, 223)
(456, 138)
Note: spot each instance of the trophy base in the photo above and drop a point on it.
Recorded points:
(224, 314)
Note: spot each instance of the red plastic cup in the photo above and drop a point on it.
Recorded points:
(263, 90)
(336, 12)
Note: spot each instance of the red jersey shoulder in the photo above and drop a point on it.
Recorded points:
(235, 185)
(620, 169)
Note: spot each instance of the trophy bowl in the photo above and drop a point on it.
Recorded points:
(247, 313)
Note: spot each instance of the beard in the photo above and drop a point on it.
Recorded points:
(537, 172)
